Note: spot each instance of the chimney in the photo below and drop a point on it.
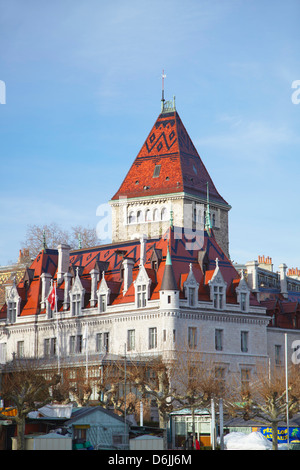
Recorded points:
(67, 278)
(265, 262)
(46, 282)
(63, 261)
(143, 249)
(94, 281)
(128, 264)
(283, 280)
(252, 276)
(294, 273)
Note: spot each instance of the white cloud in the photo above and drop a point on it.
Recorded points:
(255, 141)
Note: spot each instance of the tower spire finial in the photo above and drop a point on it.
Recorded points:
(163, 76)
(44, 245)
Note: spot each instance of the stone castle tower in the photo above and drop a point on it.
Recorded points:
(168, 179)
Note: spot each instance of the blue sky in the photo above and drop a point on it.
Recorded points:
(83, 89)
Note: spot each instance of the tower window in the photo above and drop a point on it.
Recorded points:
(156, 171)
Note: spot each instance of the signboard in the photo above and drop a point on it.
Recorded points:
(294, 434)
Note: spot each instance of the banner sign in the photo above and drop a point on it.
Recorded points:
(294, 434)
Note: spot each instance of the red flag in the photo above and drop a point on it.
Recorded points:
(52, 298)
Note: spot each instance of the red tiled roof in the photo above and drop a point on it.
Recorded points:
(169, 145)
(112, 256)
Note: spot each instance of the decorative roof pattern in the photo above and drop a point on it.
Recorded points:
(168, 162)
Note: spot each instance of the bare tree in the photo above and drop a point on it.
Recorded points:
(52, 235)
(111, 390)
(25, 389)
(195, 382)
(264, 398)
(187, 381)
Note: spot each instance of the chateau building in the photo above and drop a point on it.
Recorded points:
(165, 283)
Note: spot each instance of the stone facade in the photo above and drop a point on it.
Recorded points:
(151, 216)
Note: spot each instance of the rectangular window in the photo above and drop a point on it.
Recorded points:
(219, 340)
(76, 344)
(192, 337)
(99, 342)
(106, 342)
(76, 301)
(243, 301)
(156, 171)
(277, 354)
(244, 341)
(20, 349)
(141, 296)
(218, 297)
(192, 296)
(152, 338)
(50, 347)
(174, 336)
(3, 353)
(130, 340)
(12, 312)
(102, 303)
(102, 342)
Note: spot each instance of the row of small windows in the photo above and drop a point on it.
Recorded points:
(102, 342)
(156, 215)
(219, 300)
(219, 339)
(148, 215)
(77, 344)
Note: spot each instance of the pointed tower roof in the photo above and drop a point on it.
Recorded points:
(168, 281)
(168, 163)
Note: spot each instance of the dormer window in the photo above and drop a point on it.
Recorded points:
(218, 297)
(156, 171)
(243, 294)
(103, 295)
(77, 295)
(102, 302)
(218, 289)
(76, 304)
(11, 311)
(243, 301)
(191, 287)
(141, 296)
(13, 303)
(142, 287)
(192, 296)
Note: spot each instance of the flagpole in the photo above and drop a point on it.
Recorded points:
(286, 391)
(58, 349)
(86, 353)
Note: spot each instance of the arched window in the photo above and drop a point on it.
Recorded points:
(131, 217)
(139, 217)
(148, 215)
(164, 214)
(155, 215)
